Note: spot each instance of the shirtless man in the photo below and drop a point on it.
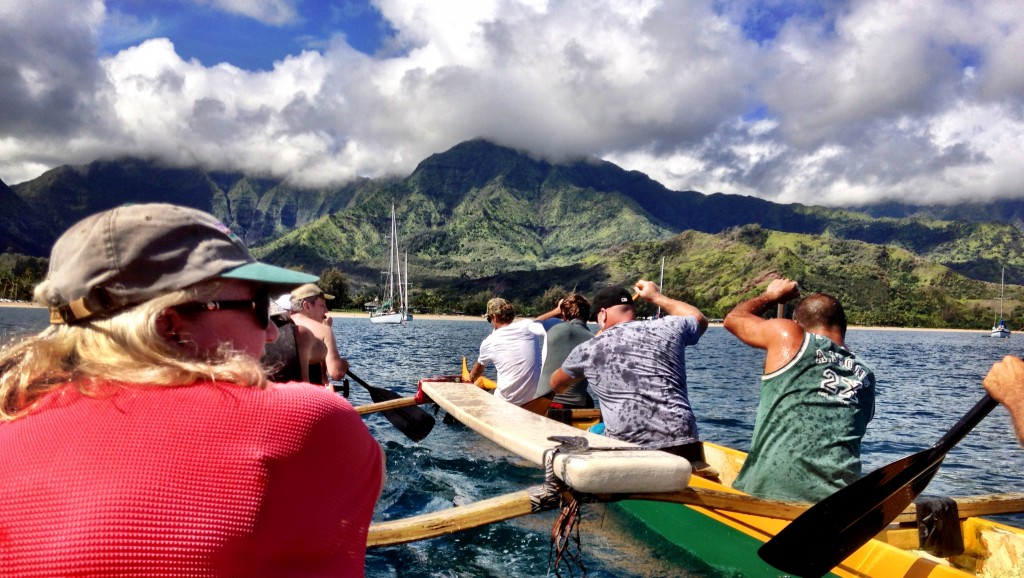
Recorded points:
(309, 310)
(296, 354)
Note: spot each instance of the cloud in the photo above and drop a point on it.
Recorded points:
(275, 12)
(814, 102)
(47, 76)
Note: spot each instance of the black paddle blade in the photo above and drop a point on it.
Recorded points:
(835, 527)
(800, 549)
(412, 421)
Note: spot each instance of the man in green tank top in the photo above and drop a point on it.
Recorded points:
(816, 397)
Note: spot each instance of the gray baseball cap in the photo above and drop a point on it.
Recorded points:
(119, 258)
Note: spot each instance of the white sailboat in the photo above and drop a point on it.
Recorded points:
(999, 329)
(394, 308)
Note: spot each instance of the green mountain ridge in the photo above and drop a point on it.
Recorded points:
(879, 285)
(481, 219)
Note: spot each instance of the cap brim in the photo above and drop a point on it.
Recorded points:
(263, 273)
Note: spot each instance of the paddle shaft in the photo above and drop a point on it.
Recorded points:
(837, 526)
(966, 424)
(377, 394)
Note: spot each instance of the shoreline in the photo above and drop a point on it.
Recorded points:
(473, 318)
(441, 317)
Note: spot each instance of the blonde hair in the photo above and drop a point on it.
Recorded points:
(125, 347)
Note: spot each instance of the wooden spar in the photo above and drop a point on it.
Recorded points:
(450, 521)
(967, 506)
(386, 405)
(517, 504)
(974, 506)
(581, 414)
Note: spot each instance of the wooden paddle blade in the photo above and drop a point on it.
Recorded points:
(837, 526)
(413, 421)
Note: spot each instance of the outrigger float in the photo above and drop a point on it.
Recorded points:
(706, 518)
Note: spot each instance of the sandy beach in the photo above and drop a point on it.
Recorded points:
(440, 317)
(415, 316)
(437, 317)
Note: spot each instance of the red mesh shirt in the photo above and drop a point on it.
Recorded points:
(204, 480)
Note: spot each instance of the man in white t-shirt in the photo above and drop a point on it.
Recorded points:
(514, 352)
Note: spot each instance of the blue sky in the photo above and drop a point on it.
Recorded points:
(820, 102)
(213, 35)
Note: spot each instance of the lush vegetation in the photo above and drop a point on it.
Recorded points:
(879, 285)
(19, 275)
(481, 220)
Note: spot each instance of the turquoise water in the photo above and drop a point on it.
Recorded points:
(926, 382)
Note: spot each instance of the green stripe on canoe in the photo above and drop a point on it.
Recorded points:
(725, 549)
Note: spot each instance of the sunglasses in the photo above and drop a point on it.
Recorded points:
(259, 305)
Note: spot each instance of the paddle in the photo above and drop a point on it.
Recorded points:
(413, 421)
(835, 527)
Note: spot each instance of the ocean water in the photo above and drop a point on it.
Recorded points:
(926, 382)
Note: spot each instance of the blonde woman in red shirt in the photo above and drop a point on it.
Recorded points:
(139, 434)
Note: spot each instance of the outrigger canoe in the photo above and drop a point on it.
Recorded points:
(722, 537)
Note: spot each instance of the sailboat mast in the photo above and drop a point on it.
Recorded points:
(392, 259)
(1002, 279)
(661, 282)
(394, 252)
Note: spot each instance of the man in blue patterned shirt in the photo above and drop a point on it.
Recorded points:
(637, 369)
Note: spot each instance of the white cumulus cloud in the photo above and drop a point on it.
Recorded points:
(838, 104)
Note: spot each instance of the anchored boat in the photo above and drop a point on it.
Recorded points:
(999, 328)
(704, 517)
(395, 306)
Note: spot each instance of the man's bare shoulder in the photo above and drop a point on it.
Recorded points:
(318, 329)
